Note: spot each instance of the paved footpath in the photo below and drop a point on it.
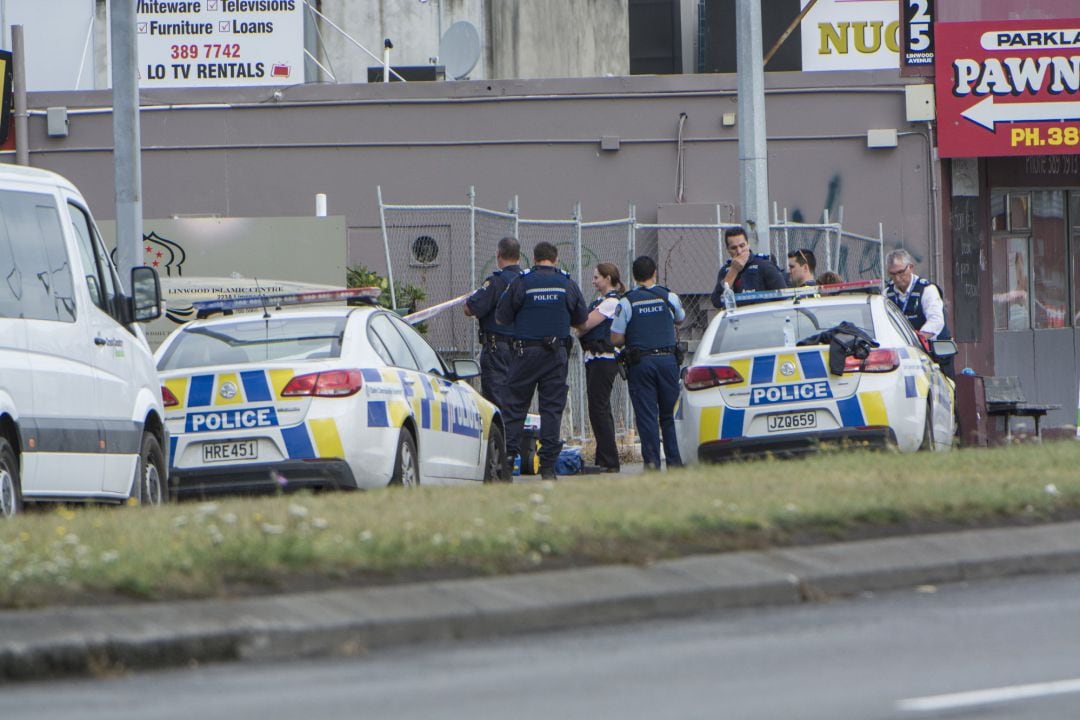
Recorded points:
(40, 644)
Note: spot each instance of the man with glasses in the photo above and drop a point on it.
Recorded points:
(801, 265)
(920, 300)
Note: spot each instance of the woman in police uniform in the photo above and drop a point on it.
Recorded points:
(601, 366)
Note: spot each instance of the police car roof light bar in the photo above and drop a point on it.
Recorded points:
(854, 286)
(206, 308)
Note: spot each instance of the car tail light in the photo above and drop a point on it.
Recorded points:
(167, 397)
(878, 361)
(332, 383)
(702, 377)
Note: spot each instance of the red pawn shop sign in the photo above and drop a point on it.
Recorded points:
(1008, 88)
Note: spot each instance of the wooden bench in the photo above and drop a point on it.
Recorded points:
(1004, 396)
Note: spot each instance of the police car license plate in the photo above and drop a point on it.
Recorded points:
(224, 451)
(792, 421)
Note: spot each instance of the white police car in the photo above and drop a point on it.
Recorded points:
(347, 397)
(752, 390)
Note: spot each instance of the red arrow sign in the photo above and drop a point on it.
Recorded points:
(1008, 88)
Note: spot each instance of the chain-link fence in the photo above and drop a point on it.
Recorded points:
(443, 251)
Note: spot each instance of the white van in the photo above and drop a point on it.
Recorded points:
(80, 402)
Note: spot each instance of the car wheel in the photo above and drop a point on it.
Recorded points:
(495, 469)
(406, 464)
(150, 485)
(928, 428)
(10, 486)
(528, 457)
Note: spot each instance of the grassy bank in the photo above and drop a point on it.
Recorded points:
(103, 554)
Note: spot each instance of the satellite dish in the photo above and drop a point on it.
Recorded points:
(460, 49)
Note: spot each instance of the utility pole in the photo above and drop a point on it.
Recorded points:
(753, 154)
(127, 164)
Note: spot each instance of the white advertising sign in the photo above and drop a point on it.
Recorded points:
(200, 43)
(851, 35)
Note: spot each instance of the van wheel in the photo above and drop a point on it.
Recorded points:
(928, 428)
(495, 469)
(406, 463)
(150, 484)
(10, 486)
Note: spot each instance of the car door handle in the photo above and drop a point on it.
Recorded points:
(99, 341)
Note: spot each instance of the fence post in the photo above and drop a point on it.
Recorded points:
(828, 249)
(515, 209)
(386, 249)
(472, 255)
(580, 371)
(881, 249)
(719, 237)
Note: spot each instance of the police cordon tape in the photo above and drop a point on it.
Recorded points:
(422, 315)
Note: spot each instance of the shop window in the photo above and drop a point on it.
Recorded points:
(1049, 259)
(1019, 212)
(1074, 221)
(1012, 301)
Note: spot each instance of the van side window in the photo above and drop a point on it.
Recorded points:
(100, 278)
(36, 274)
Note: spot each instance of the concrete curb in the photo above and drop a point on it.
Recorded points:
(59, 642)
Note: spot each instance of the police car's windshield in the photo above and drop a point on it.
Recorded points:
(765, 328)
(256, 340)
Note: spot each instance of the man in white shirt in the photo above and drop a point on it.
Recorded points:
(920, 300)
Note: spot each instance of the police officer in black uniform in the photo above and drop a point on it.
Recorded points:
(494, 338)
(601, 363)
(921, 302)
(745, 271)
(541, 304)
(645, 323)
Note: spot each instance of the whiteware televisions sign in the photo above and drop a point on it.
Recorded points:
(217, 43)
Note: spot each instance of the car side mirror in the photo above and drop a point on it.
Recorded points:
(943, 348)
(145, 294)
(464, 369)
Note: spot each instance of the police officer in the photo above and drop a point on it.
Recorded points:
(801, 265)
(645, 323)
(601, 365)
(745, 271)
(920, 300)
(541, 304)
(494, 338)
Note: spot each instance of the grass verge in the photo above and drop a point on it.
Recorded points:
(76, 555)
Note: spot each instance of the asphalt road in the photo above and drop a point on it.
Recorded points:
(894, 656)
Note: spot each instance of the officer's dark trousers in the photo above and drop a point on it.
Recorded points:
(654, 390)
(599, 379)
(494, 368)
(544, 371)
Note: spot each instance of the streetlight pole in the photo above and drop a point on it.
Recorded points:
(127, 140)
(753, 153)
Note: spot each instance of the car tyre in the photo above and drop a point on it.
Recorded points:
(10, 484)
(150, 484)
(928, 428)
(406, 462)
(495, 466)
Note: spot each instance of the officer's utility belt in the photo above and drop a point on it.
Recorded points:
(598, 347)
(548, 343)
(633, 355)
(490, 339)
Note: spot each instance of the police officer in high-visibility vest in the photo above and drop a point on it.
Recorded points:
(920, 300)
(494, 338)
(541, 304)
(645, 324)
